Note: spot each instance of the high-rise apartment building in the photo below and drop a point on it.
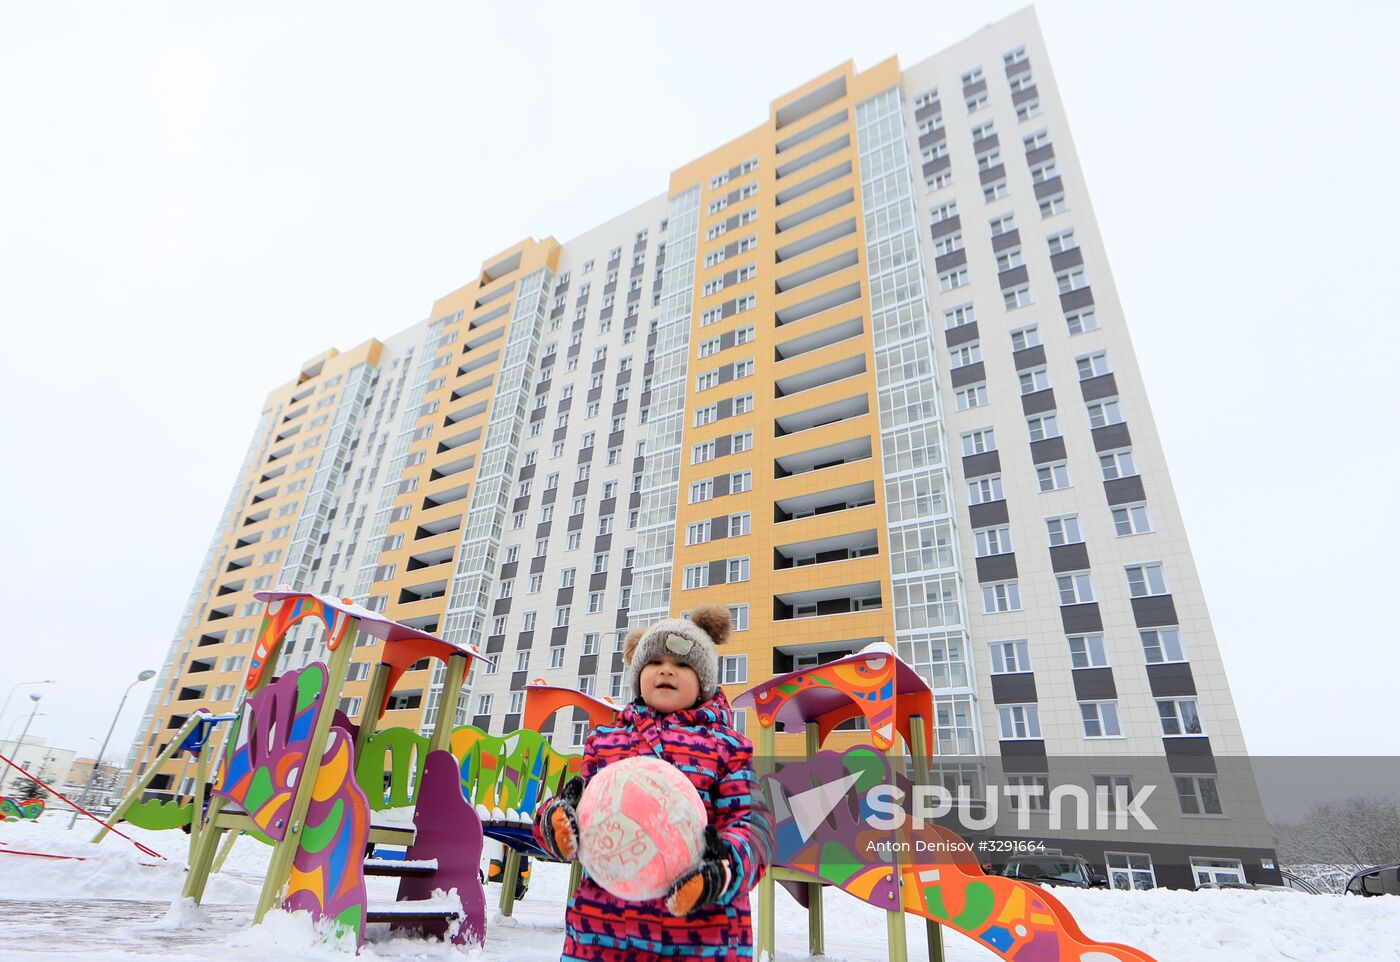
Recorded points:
(860, 374)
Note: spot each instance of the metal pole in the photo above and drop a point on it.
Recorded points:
(17, 687)
(19, 745)
(83, 798)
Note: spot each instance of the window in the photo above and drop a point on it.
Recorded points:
(1063, 530)
(706, 415)
(605, 524)
(1001, 596)
(739, 614)
(992, 541)
(704, 451)
(516, 704)
(1082, 320)
(736, 569)
(513, 554)
(742, 441)
(561, 616)
(1028, 109)
(697, 576)
(1014, 56)
(985, 489)
(577, 733)
(697, 532)
(948, 243)
(1102, 413)
(958, 316)
(522, 660)
(585, 684)
(591, 643)
(1019, 721)
(1040, 173)
(517, 521)
(1100, 719)
(566, 577)
(1052, 477)
(527, 622)
(1042, 426)
(1198, 795)
(1002, 224)
(1161, 645)
(1128, 871)
(996, 190)
(556, 657)
(536, 584)
(1031, 790)
(976, 102)
(952, 279)
(988, 159)
(740, 481)
(974, 395)
(506, 588)
(1061, 242)
(1052, 205)
(733, 669)
(595, 602)
(1179, 717)
(964, 354)
(483, 704)
(1087, 651)
(1016, 297)
(1075, 587)
(1024, 337)
(1092, 365)
(1071, 280)
(709, 379)
(1117, 464)
(1112, 791)
(1146, 579)
(600, 562)
(1010, 657)
(978, 442)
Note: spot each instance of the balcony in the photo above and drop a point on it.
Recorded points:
(823, 602)
(815, 130)
(820, 551)
(440, 526)
(844, 498)
(199, 665)
(810, 102)
(821, 415)
(452, 467)
(812, 156)
(815, 210)
(819, 376)
(829, 176)
(827, 456)
(817, 305)
(788, 658)
(466, 437)
(447, 496)
(814, 240)
(423, 592)
(429, 559)
(816, 272)
(478, 361)
(819, 338)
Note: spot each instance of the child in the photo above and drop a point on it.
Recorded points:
(682, 716)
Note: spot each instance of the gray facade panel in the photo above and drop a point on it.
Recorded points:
(992, 174)
(961, 334)
(1094, 684)
(1038, 402)
(1050, 449)
(948, 225)
(1094, 388)
(1006, 239)
(1066, 259)
(1029, 357)
(988, 513)
(1049, 187)
(996, 567)
(1112, 436)
(1069, 557)
(977, 465)
(1124, 490)
(1078, 619)
(1014, 689)
(1169, 680)
(1154, 611)
(968, 374)
(1013, 277)
(1074, 300)
(948, 261)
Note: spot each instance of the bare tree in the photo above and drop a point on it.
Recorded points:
(1336, 839)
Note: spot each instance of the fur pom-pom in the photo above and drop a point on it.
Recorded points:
(714, 621)
(630, 643)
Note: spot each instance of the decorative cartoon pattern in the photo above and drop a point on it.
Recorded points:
(281, 614)
(327, 876)
(265, 751)
(939, 875)
(20, 809)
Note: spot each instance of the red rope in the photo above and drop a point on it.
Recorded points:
(149, 851)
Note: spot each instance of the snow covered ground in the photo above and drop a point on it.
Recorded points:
(112, 907)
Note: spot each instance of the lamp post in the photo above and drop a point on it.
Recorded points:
(146, 675)
(34, 696)
(17, 687)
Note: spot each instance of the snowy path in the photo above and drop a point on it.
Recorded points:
(111, 908)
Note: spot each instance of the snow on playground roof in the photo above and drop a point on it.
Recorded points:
(375, 624)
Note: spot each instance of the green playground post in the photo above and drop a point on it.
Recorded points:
(147, 777)
(918, 737)
(816, 922)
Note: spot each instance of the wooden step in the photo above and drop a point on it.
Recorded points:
(402, 912)
(400, 868)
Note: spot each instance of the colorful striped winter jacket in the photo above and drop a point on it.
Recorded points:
(703, 744)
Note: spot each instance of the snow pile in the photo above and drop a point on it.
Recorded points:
(110, 907)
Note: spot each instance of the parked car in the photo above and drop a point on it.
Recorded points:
(1068, 870)
(1378, 880)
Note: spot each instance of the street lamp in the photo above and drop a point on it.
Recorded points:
(146, 675)
(17, 687)
(34, 696)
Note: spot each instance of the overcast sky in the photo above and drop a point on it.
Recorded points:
(193, 201)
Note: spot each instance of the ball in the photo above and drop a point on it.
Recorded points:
(641, 827)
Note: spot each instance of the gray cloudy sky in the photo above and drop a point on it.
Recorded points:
(194, 200)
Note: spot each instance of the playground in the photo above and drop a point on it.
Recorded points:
(327, 835)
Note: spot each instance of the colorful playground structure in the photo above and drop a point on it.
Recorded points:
(20, 809)
(322, 789)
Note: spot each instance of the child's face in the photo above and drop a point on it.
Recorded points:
(669, 685)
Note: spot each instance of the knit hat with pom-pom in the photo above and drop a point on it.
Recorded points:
(690, 640)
